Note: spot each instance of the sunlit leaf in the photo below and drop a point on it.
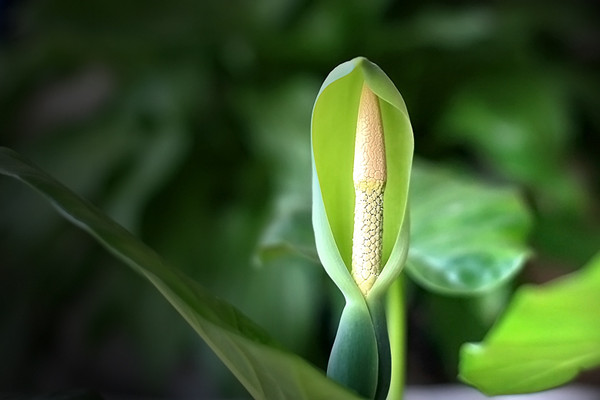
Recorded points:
(264, 368)
(466, 237)
(547, 335)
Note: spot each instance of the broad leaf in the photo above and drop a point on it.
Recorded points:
(466, 237)
(520, 123)
(264, 368)
(506, 118)
(547, 335)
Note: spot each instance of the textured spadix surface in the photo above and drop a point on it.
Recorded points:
(370, 176)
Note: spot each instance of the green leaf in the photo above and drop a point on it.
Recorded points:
(264, 368)
(510, 116)
(466, 237)
(289, 230)
(289, 233)
(547, 335)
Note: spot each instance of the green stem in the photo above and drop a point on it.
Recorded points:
(378, 316)
(397, 336)
(354, 360)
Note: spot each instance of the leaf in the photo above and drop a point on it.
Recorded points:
(264, 368)
(288, 233)
(289, 229)
(466, 237)
(508, 117)
(546, 336)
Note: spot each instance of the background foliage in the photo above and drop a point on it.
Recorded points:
(188, 122)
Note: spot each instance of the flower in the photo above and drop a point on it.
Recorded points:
(358, 106)
(362, 147)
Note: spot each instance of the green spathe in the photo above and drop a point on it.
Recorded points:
(360, 357)
(333, 136)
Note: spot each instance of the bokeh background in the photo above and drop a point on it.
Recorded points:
(188, 122)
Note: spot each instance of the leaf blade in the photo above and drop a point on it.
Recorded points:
(467, 237)
(268, 372)
(546, 337)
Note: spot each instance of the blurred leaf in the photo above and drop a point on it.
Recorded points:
(289, 233)
(547, 335)
(466, 237)
(285, 146)
(157, 157)
(293, 319)
(520, 125)
(476, 313)
(453, 27)
(266, 370)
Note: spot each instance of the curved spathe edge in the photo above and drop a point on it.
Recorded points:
(327, 248)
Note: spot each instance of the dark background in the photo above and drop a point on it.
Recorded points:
(188, 122)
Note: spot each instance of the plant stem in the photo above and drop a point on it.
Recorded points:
(354, 360)
(379, 318)
(397, 334)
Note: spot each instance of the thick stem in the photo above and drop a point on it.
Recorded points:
(354, 360)
(378, 316)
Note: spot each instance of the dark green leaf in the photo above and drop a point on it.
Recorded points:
(509, 118)
(266, 370)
